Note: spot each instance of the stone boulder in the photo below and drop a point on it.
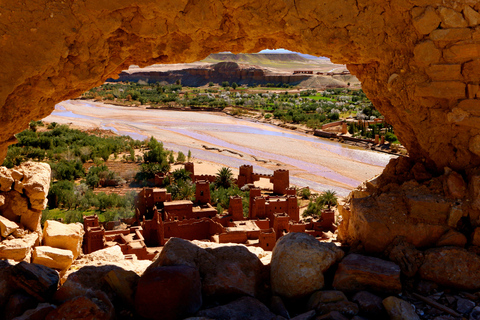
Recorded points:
(226, 270)
(64, 236)
(39, 281)
(36, 182)
(6, 179)
(245, 308)
(123, 283)
(399, 309)
(18, 249)
(370, 305)
(169, 293)
(54, 258)
(7, 226)
(357, 272)
(94, 306)
(17, 303)
(298, 264)
(39, 313)
(15, 206)
(327, 301)
(412, 211)
(405, 255)
(453, 267)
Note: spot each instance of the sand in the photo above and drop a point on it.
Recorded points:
(318, 163)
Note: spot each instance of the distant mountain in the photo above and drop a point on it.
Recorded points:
(255, 58)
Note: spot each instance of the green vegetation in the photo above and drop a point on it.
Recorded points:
(63, 143)
(155, 160)
(307, 107)
(315, 207)
(66, 150)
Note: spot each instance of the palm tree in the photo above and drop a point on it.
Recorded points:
(181, 175)
(224, 178)
(328, 198)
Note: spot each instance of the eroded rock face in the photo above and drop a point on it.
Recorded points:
(416, 60)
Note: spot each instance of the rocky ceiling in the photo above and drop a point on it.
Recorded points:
(417, 59)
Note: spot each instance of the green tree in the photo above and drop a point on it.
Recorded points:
(181, 175)
(210, 84)
(328, 198)
(225, 84)
(181, 157)
(234, 85)
(224, 178)
(189, 155)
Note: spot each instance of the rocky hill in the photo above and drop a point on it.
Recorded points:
(248, 74)
(256, 58)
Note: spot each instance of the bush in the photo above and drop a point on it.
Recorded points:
(181, 157)
(68, 170)
(390, 137)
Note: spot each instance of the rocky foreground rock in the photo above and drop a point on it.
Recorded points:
(228, 281)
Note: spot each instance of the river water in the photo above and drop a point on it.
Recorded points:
(318, 163)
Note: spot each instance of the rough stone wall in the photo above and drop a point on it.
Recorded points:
(416, 58)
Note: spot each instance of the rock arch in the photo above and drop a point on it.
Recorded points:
(417, 59)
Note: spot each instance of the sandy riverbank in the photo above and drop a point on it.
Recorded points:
(320, 164)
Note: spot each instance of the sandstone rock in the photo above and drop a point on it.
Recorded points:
(472, 16)
(16, 175)
(473, 90)
(83, 308)
(476, 237)
(17, 304)
(123, 283)
(6, 285)
(278, 307)
(376, 221)
(451, 266)
(39, 313)
(405, 255)
(181, 293)
(452, 238)
(15, 206)
(470, 71)
(369, 304)
(454, 186)
(18, 249)
(7, 227)
(438, 72)
(64, 236)
(456, 34)
(456, 213)
(399, 309)
(2, 200)
(31, 220)
(18, 186)
(427, 22)
(298, 264)
(426, 53)
(226, 270)
(6, 179)
(54, 258)
(245, 308)
(39, 281)
(327, 301)
(356, 273)
(461, 52)
(451, 18)
(36, 182)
